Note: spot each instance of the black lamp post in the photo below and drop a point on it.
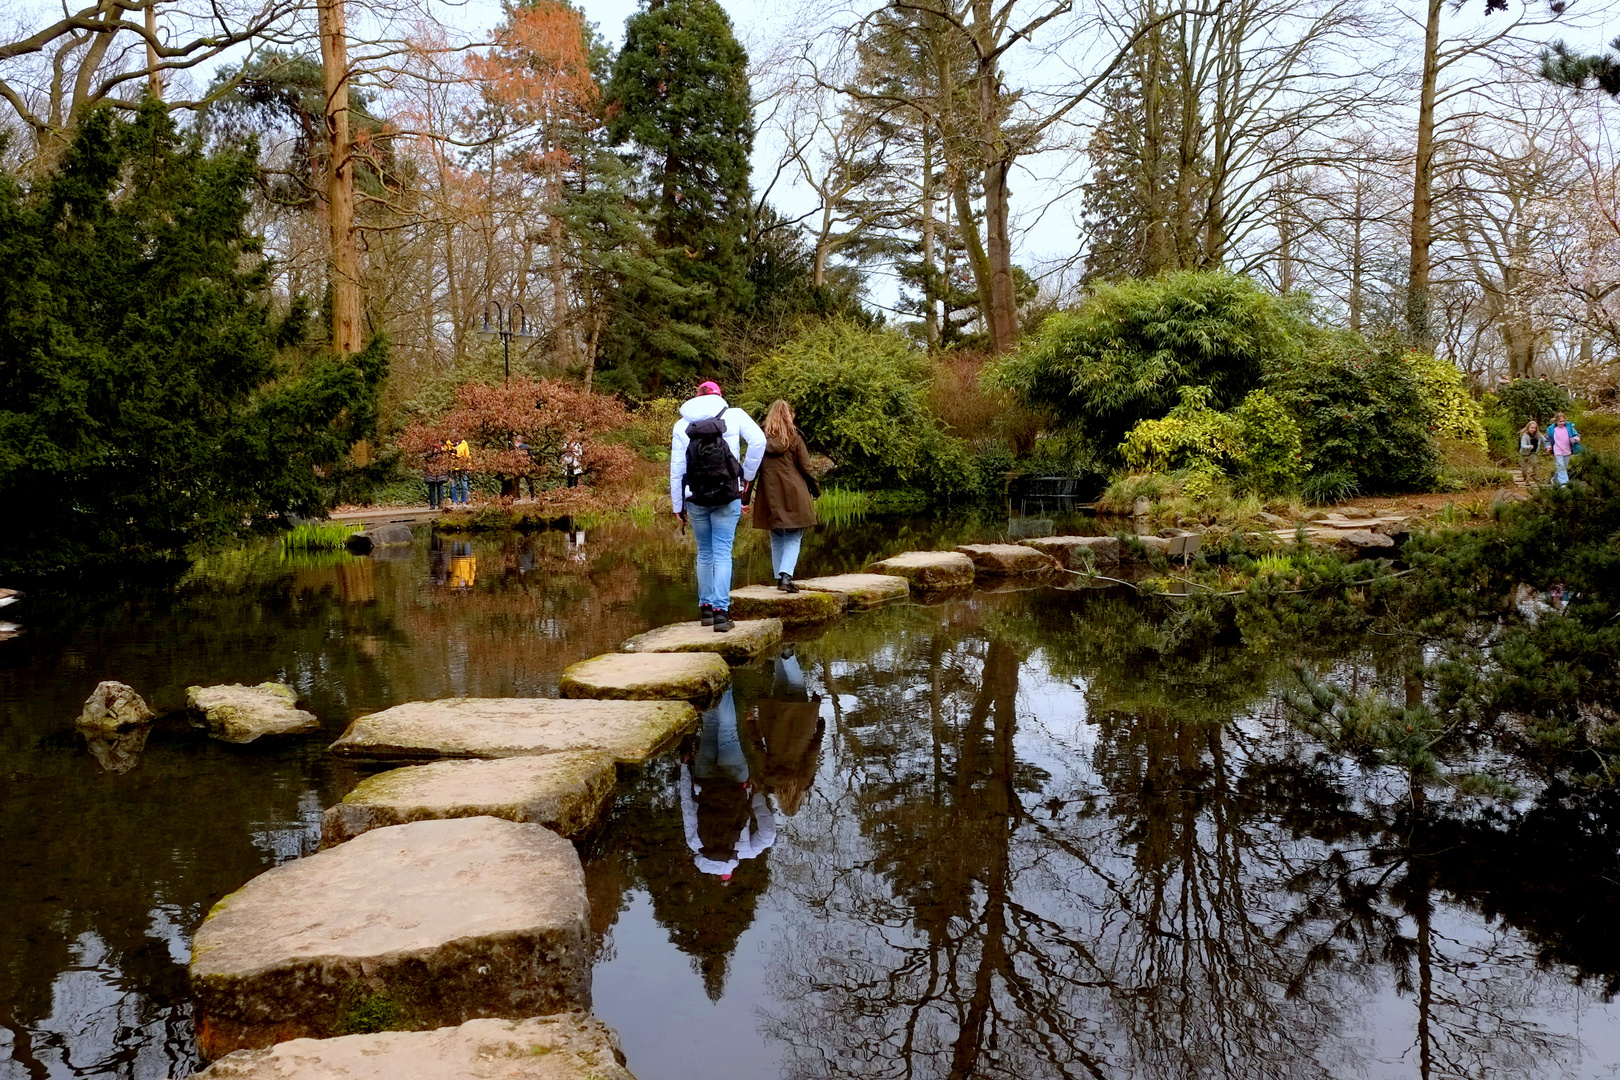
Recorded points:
(510, 322)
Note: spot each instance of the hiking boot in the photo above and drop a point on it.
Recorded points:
(784, 581)
(722, 621)
(705, 614)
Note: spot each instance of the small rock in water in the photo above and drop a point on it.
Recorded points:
(390, 535)
(112, 707)
(563, 1046)
(240, 714)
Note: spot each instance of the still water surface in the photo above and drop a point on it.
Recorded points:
(1004, 836)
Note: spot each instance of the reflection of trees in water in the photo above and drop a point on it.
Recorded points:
(1197, 897)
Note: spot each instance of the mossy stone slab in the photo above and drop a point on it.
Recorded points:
(407, 928)
(859, 590)
(648, 677)
(1008, 560)
(745, 642)
(564, 1046)
(1072, 552)
(628, 731)
(240, 714)
(564, 792)
(793, 609)
(928, 570)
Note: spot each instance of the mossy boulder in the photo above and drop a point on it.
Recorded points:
(745, 642)
(928, 570)
(415, 927)
(240, 714)
(793, 609)
(859, 590)
(564, 1046)
(648, 677)
(564, 792)
(628, 731)
(113, 707)
(1078, 552)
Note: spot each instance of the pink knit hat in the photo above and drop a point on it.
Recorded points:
(708, 388)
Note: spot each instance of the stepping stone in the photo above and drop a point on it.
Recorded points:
(648, 677)
(928, 569)
(859, 590)
(1156, 545)
(1007, 560)
(240, 714)
(564, 792)
(794, 609)
(408, 928)
(1363, 540)
(742, 644)
(1071, 551)
(565, 1046)
(628, 731)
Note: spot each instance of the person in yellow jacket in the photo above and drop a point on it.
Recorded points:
(461, 463)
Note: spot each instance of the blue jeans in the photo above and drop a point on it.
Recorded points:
(1561, 468)
(720, 751)
(458, 488)
(715, 529)
(785, 550)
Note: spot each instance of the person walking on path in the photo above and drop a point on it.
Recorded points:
(434, 475)
(1531, 443)
(785, 500)
(1565, 442)
(461, 462)
(709, 482)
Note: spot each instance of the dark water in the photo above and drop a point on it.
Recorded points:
(1017, 835)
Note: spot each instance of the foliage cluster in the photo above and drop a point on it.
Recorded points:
(861, 397)
(1453, 412)
(1127, 351)
(1257, 444)
(549, 415)
(149, 397)
(1523, 400)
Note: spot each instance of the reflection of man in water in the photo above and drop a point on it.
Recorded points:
(727, 817)
(463, 565)
(790, 726)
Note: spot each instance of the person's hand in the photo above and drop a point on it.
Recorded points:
(680, 515)
(748, 493)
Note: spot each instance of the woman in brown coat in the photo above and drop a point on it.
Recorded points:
(784, 492)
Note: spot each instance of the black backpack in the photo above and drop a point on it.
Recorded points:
(713, 473)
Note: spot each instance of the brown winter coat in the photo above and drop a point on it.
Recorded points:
(785, 489)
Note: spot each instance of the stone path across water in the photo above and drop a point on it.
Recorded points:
(689, 676)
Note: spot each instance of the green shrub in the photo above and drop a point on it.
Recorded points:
(1191, 436)
(1126, 352)
(1474, 477)
(1501, 437)
(1453, 412)
(648, 433)
(1273, 458)
(1330, 487)
(1524, 400)
(861, 397)
(1361, 414)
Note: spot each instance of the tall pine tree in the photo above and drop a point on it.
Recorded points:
(679, 102)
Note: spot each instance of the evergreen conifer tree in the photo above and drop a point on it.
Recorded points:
(679, 100)
(143, 404)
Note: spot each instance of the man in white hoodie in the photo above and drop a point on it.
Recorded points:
(712, 497)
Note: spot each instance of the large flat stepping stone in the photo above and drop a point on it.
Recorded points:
(793, 609)
(566, 1046)
(745, 642)
(927, 570)
(1072, 551)
(628, 731)
(564, 792)
(648, 677)
(408, 928)
(1007, 560)
(859, 590)
(240, 714)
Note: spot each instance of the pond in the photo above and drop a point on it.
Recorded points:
(1016, 834)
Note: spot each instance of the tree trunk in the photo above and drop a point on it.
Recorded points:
(154, 77)
(344, 256)
(930, 278)
(1002, 309)
(978, 262)
(1417, 279)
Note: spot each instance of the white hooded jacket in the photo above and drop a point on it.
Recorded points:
(738, 423)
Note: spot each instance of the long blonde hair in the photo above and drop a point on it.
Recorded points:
(779, 426)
